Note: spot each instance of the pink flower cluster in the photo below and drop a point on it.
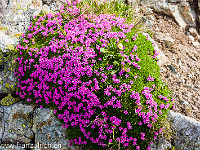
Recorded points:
(56, 72)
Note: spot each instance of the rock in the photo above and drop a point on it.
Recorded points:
(188, 15)
(184, 103)
(191, 38)
(45, 9)
(158, 6)
(45, 128)
(5, 40)
(191, 56)
(150, 17)
(8, 100)
(187, 131)
(196, 44)
(129, 1)
(3, 6)
(6, 76)
(180, 10)
(37, 4)
(176, 15)
(195, 89)
(157, 29)
(48, 129)
(168, 41)
(48, 2)
(22, 124)
(161, 144)
(172, 69)
(162, 69)
(193, 32)
(149, 11)
(162, 59)
(149, 23)
(16, 123)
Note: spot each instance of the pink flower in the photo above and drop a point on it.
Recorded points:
(131, 82)
(134, 48)
(126, 75)
(167, 105)
(149, 125)
(128, 69)
(125, 112)
(150, 78)
(148, 148)
(162, 106)
(140, 123)
(137, 147)
(160, 112)
(134, 141)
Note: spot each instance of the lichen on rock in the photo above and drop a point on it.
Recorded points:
(8, 100)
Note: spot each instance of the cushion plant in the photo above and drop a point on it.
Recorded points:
(99, 76)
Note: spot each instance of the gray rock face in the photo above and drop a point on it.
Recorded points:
(187, 131)
(23, 126)
(49, 130)
(3, 6)
(9, 79)
(16, 124)
(161, 144)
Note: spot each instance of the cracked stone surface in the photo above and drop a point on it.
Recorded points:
(48, 129)
(187, 131)
(16, 125)
(23, 124)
